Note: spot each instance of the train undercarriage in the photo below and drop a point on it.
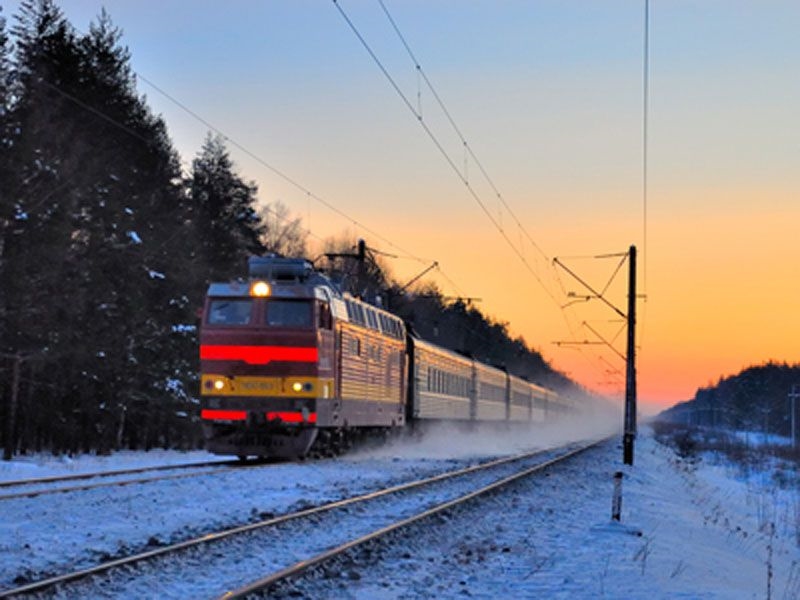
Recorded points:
(288, 442)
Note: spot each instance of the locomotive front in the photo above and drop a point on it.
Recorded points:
(266, 360)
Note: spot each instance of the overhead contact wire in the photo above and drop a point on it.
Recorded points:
(461, 136)
(441, 149)
(280, 173)
(469, 151)
(447, 157)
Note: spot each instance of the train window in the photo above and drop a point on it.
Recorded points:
(289, 313)
(325, 319)
(353, 346)
(230, 312)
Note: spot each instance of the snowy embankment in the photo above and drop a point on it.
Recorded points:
(693, 531)
(687, 531)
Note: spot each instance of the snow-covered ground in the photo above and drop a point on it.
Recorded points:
(687, 531)
(37, 466)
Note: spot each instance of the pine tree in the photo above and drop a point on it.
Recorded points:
(97, 252)
(7, 181)
(137, 247)
(36, 233)
(8, 403)
(5, 104)
(227, 223)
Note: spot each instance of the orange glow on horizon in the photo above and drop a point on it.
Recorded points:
(720, 295)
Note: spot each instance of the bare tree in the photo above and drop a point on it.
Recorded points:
(283, 234)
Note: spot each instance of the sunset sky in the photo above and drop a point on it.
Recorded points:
(549, 97)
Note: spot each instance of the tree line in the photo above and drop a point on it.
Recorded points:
(107, 247)
(756, 399)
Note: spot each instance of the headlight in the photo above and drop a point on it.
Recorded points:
(259, 289)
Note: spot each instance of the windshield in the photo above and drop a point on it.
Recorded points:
(230, 312)
(289, 313)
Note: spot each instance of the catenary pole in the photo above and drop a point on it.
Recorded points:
(630, 379)
(793, 396)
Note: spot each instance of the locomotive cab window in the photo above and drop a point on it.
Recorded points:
(230, 312)
(325, 318)
(288, 313)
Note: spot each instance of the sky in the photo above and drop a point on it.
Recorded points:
(549, 97)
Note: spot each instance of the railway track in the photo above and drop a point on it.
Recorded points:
(286, 546)
(118, 477)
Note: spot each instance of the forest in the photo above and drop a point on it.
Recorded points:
(107, 246)
(757, 399)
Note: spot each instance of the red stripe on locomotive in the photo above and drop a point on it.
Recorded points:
(223, 415)
(259, 355)
(292, 417)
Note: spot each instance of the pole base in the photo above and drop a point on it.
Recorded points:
(627, 448)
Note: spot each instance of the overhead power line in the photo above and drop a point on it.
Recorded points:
(417, 112)
(293, 182)
(466, 145)
(645, 119)
(121, 126)
(461, 176)
(298, 185)
(248, 152)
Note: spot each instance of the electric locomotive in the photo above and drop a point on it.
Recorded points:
(287, 361)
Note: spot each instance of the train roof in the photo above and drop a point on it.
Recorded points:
(465, 359)
(296, 278)
(239, 288)
(287, 277)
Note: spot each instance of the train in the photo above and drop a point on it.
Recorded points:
(290, 364)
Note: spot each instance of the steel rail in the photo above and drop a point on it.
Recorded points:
(91, 486)
(300, 567)
(43, 584)
(79, 476)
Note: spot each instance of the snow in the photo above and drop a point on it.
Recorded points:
(37, 466)
(134, 237)
(689, 529)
